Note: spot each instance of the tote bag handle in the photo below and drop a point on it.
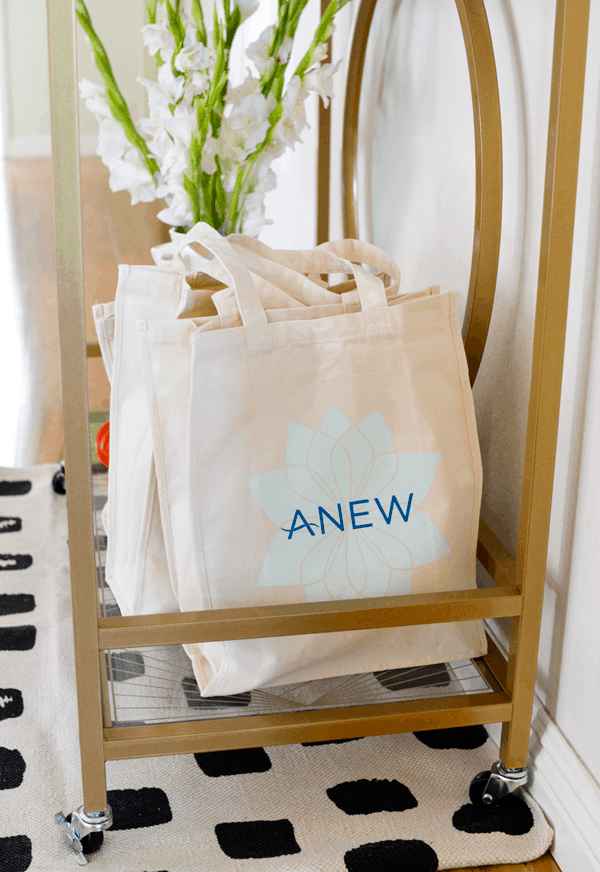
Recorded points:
(301, 262)
(228, 262)
(370, 288)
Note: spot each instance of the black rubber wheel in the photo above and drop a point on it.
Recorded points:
(58, 482)
(92, 843)
(476, 789)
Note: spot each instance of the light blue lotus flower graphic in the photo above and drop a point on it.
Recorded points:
(348, 511)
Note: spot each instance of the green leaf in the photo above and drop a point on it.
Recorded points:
(116, 101)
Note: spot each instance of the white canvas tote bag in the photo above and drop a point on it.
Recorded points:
(136, 568)
(330, 458)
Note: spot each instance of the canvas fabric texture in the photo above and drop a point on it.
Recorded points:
(290, 426)
(397, 801)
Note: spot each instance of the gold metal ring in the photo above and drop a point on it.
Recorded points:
(488, 161)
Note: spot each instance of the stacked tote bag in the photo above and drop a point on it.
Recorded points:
(289, 445)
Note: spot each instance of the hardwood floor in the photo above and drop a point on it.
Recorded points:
(113, 232)
(544, 864)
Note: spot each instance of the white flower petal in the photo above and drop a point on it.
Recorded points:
(281, 567)
(335, 424)
(341, 463)
(307, 486)
(375, 430)
(423, 539)
(319, 553)
(299, 440)
(390, 549)
(362, 456)
(275, 497)
(415, 474)
(320, 464)
(383, 472)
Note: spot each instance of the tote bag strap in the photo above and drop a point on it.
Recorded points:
(371, 290)
(257, 247)
(284, 276)
(286, 268)
(221, 258)
(363, 252)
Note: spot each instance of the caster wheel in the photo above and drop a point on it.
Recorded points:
(92, 843)
(58, 482)
(476, 789)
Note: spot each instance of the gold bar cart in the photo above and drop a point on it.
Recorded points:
(519, 581)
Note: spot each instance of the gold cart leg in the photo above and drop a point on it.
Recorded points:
(568, 74)
(65, 142)
(323, 161)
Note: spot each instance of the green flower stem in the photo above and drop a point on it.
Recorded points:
(198, 16)
(322, 34)
(116, 101)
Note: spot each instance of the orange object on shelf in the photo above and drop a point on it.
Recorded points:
(102, 441)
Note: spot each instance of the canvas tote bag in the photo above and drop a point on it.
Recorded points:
(330, 458)
(136, 568)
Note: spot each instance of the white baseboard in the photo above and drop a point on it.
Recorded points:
(40, 145)
(562, 785)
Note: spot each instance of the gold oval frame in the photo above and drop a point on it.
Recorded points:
(488, 161)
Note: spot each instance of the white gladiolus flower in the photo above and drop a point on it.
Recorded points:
(283, 55)
(158, 101)
(173, 86)
(95, 99)
(251, 118)
(178, 131)
(247, 7)
(112, 142)
(321, 81)
(158, 39)
(250, 85)
(209, 164)
(179, 212)
(258, 51)
(194, 58)
(198, 85)
(130, 174)
(182, 125)
(320, 53)
(293, 121)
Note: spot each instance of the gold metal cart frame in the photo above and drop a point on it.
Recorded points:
(518, 593)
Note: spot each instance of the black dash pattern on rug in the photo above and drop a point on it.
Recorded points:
(369, 797)
(12, 562)
(331, 742)
(14, 488)
(11, 703)
(16, 603)
(10, 525)
(15, 854)
(12, 769)
(125, 665)
(257, 840)
(17, 638)
(240, 761)
(195, 700)
(134, 809)
(434, 675)
(462, 738)
(514, 818)
(408, 855)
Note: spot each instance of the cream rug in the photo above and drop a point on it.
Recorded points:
(388, 804)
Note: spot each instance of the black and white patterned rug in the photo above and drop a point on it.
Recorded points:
(366, 805)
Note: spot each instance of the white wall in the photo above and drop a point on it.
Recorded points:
(416, 186)
(26, 121)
